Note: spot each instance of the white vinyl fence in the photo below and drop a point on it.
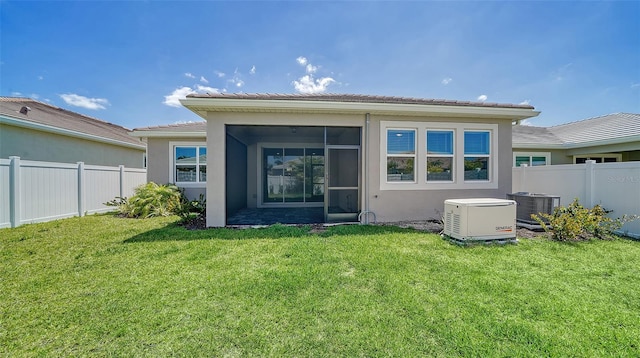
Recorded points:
(615, 186)
(33, 191)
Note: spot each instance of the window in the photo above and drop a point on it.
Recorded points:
(440, 155)
(532, 159)
(189, 164)
(477, 154)
(598, 158)
(401, 155)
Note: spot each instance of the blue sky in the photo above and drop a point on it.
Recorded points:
(127, 62)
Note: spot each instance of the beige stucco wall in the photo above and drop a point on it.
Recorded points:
(159, 161)
(388, 205)
(30, 144)
(398, 205)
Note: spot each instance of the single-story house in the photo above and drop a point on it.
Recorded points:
(353, 157)
(610, 138)
(171, 155)
(33, 130)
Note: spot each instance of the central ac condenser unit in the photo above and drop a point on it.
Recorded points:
(483, 219)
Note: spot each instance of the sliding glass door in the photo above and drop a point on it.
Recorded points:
(293, 175)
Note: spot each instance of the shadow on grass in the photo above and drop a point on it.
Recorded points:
(176, 232)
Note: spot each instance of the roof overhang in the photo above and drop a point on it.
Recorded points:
(201, 106)
(595, 143)
(141, 133)
(67, 132)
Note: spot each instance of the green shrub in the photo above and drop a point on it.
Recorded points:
(150, 200)
(191, 209)
(575, 222)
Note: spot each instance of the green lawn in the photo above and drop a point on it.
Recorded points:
(106, 286)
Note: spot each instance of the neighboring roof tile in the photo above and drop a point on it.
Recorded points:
(181, 127)
(616, 126)
(610, 126)
(528, 135)
(333, 97)
(45, 114)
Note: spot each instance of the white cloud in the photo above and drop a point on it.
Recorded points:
(173, 100)
(635, 85)
(73, 99)
(203, 80)
(446, 81)
(526, 122)
(219, 74)
(16, 94)
(236, 80)
(253, 70)
(188, 74)
(526, 101)
(482, 97)
(205, 89)
(302, 61)
(40, 78)
(311, 68)
(35, 96)
(308, 85)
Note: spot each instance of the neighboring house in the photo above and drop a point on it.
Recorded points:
(37, 131)
(610, 138)
(395, 158)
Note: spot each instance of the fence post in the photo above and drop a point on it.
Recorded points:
(81, 189)
(14, 191)
(589, 187)
(121, 167)
(523, 177)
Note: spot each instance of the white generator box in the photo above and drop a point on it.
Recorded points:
(480, 219)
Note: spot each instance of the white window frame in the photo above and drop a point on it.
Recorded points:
(172, 164)
(546, 155)
(488, 156)
(416, 133)
(453, 155)
(598, 155)
(458, 181)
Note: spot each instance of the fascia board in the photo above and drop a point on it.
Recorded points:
(202, 105)
(595, 143)
(538, 146)
(167, 134)
(67, 132)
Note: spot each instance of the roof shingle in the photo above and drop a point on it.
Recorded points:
(616, 126)
(46, 114)
(333, 97)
